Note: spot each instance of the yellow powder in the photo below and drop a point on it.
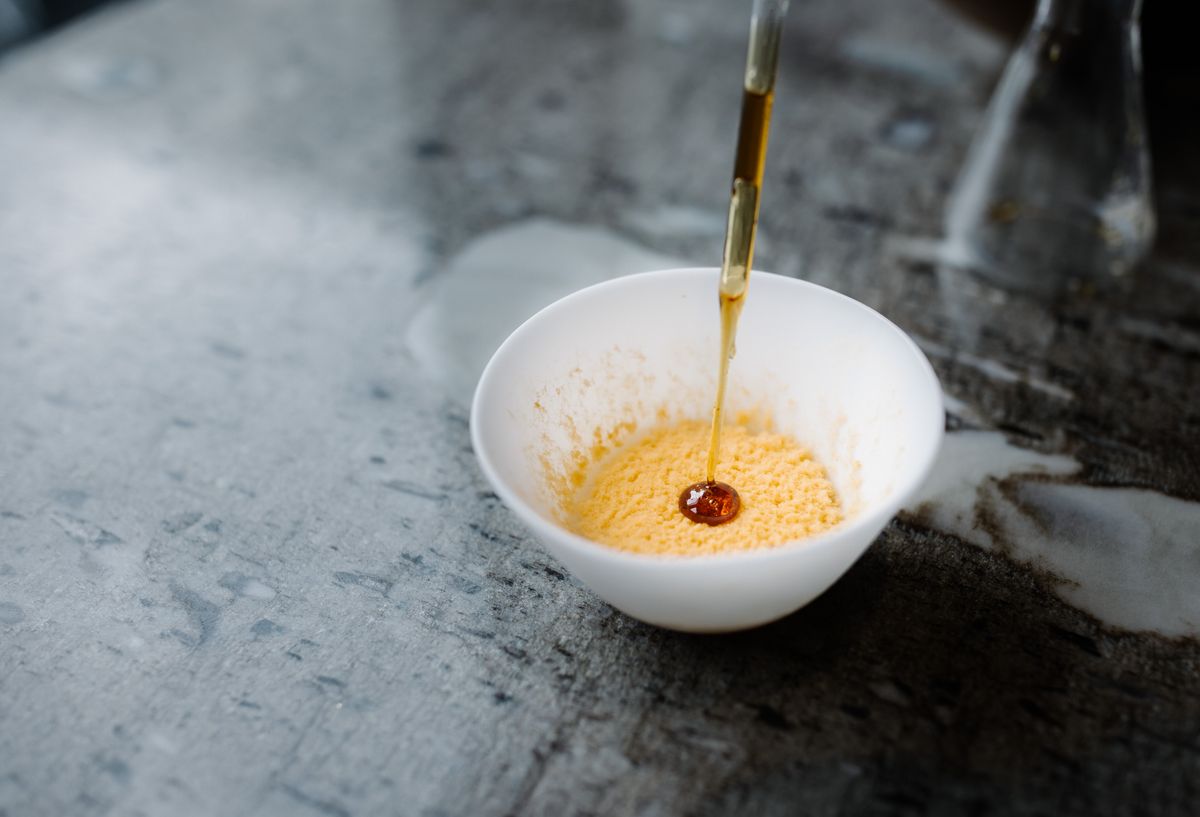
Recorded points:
(629, 499)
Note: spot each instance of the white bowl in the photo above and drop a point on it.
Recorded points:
(833, 373)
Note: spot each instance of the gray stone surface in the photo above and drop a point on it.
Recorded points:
(248, 565)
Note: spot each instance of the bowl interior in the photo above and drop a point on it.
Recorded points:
(641, 350)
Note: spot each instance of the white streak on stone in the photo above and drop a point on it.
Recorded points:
(254, 589)
(959, 408)
(969, 469)
(1129, 557)
(678, 221)
(1133, 555)
(993, 369)
(504, 277)
(1173, 335)
(900, 59)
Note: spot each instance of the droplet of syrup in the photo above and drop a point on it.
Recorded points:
(713, 503)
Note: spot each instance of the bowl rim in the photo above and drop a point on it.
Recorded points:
(874, 519)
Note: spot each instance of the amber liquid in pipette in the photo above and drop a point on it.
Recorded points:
(713, 502)
(739, 245)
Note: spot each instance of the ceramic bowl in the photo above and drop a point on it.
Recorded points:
(830, 371)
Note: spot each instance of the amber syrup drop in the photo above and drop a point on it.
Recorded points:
(712, 503)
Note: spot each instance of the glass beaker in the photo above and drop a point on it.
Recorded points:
(1056, 191)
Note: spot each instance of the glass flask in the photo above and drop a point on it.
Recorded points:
(1055, 193)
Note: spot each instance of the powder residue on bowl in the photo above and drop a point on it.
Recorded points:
(629, 498)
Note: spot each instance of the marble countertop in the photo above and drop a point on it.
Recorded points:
(252, 257)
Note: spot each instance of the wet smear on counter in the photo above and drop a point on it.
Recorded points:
(1128, 556)
(503, 277)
